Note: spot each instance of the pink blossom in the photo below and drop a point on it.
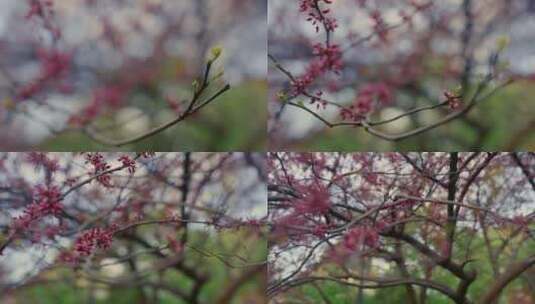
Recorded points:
(328, 58)
(315, 201)
(47, 201)
(40, 159)
(100, 166)
(55, 66)
(39, 8)
(454, 100)
(92, 239)
(369, 98)
(128, 163)
(358, 237)
(317, 15)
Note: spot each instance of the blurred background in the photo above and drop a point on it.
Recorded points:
(422, 61)
(123, 67)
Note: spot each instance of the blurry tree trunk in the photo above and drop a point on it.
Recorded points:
(400, 262)
(360, 296)
(513, 272)
(234, 285)
(363, 271)
(185, 187)
(423, 295)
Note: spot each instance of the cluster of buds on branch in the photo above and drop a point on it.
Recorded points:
(392, 82)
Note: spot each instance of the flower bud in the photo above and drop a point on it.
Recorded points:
(502, 43)
(215, 52)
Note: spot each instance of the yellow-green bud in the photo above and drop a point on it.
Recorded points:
(281, 96)
(216, 52)
(502, 42)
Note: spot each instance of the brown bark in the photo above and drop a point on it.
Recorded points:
(514, 271)
(235, 285)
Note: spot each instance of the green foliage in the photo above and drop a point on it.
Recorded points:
(502, 122)
(342, 294)
(235, 121)
(69, 289)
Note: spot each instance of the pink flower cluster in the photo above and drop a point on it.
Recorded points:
(39, 8)
(174, 104)
(315, 201)
(316, 15)
(54, 67)
(359, 237)
(128, 163)
(321, 230)
(47, 201)
(43, 10)
(54, 63)
(40, 159)
(454, 101)
(105, 97)
(379, 25)
(370, 97)
(92, 239)
(328, 58)
(100, 166)
(174, 244)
